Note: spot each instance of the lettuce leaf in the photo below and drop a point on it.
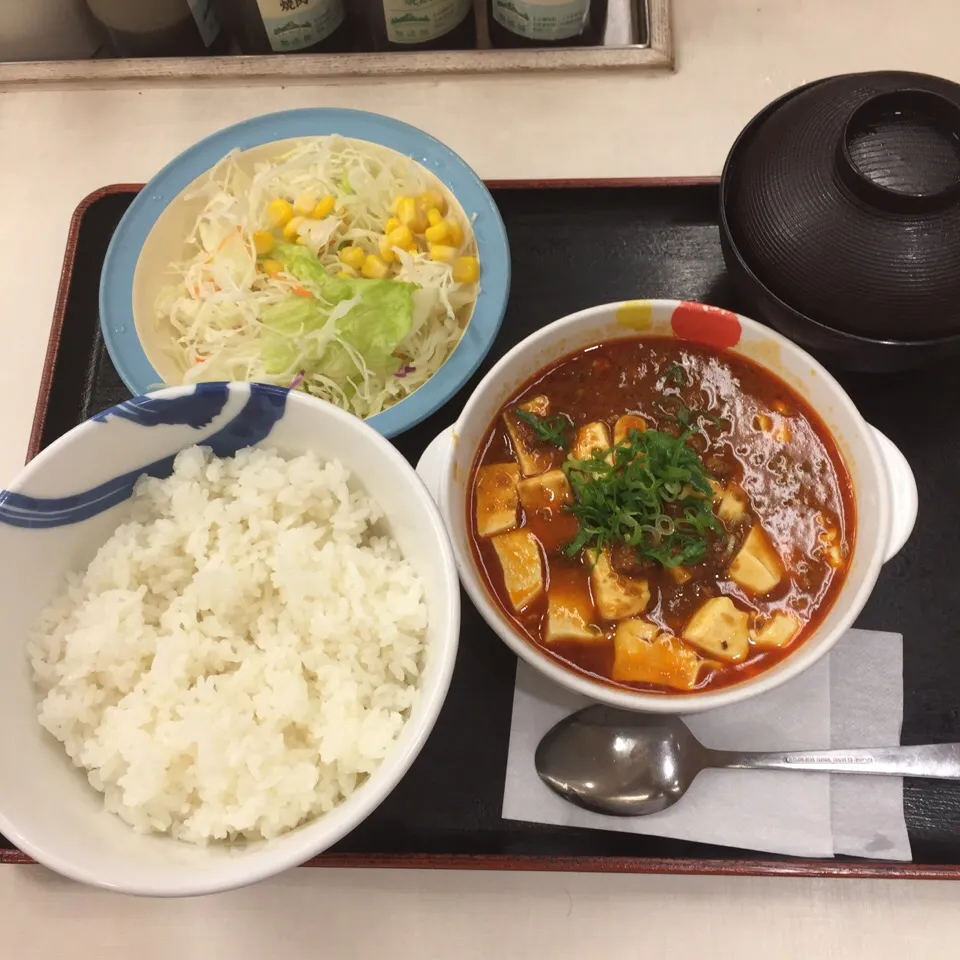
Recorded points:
(373, 317)
(284, 326)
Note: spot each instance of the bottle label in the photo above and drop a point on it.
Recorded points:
(416, 21)
(298, 24)
(549, 20)
(207, 21)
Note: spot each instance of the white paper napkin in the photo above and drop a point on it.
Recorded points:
(851, 698)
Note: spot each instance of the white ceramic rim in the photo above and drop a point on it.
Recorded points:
(316, 835)
(792, 665)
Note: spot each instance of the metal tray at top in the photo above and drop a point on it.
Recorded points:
(627, 239)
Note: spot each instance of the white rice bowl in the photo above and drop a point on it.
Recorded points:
(241, 654)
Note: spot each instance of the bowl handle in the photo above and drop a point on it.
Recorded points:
(430, 464)
(903, 494)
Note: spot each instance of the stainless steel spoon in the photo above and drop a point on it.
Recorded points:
(631, 764)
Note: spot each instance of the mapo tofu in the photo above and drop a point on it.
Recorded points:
(661, 515)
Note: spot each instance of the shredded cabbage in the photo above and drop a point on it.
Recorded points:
(361, 344)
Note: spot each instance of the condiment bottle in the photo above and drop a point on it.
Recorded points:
(287, 26)
(547, 23)
(414, 24)
(161, 28)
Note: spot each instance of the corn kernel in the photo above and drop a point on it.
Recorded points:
(272, 267)
(353, 257)
(444, 254)
(374, 268)
(437, 234)
(411, 215)
(466, 270)
(456, 232)
(346, 275)
(262, 242)
(290, 230)
(392, 225)
(434, 198)
(386, 250)
(279, 212)
(434, 217)
(401, 237)
(395, 206)
(405, 209)
(304, 204)
(324, 207)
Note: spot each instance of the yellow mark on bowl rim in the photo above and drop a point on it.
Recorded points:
(636, 315)
(454, 440)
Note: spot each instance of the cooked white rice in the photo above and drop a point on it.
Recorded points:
(241, 654)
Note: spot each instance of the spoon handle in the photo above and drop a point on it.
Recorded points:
(937, 761)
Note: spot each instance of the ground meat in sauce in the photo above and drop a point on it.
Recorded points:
(719, 468)
(624, 560)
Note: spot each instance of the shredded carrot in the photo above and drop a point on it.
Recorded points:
(302, 292)
(227, 239)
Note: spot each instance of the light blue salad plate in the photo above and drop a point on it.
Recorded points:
(117, 280)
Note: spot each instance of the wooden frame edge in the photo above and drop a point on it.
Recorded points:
(600, 183)
(668, 866)
(614, 865)
(60, 309)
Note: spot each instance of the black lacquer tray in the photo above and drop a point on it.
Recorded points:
(637, 239)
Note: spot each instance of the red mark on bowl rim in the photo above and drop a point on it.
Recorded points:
(710, 326)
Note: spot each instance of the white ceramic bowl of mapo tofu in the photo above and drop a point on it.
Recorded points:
(668, 507)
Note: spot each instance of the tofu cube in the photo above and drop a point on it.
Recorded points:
(532, 460)
(778, 631)
(570, 613)
(497, 498)
(616, 595)
(590, 438)
(642, 655)
(522, 566)
(636, 631)
(756, 567)
(544, 498)
(626, 423)
(680, 575)
(720, 629)
(549, 491)
(539, 405)
(733, 504)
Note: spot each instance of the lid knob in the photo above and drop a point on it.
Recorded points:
(900, 151)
